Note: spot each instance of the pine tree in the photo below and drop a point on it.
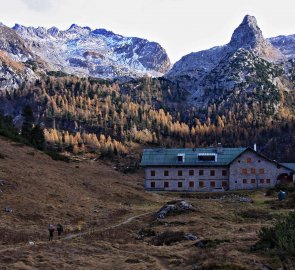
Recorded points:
(28, 122)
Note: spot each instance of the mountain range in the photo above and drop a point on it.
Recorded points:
(27, 52)
(79, 51)
(97, 82)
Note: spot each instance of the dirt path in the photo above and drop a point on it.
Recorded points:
(87, 232)
(130, 219)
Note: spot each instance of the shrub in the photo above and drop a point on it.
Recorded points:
(57, 156)
(289, 187)
(270, 192)
(168, 238)
(280, 237)
(255, 214)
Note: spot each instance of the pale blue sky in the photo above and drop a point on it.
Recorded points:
(180, 26)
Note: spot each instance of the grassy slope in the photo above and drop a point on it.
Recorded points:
(92, 197)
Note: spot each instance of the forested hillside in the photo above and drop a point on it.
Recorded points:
(90, 115)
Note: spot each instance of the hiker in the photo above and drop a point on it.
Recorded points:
(51, 231)
(59, 230)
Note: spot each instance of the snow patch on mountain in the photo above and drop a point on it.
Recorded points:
(98, 53)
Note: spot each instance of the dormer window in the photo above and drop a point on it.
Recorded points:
(180, 158)
(207, 157)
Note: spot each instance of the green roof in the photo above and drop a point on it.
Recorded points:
(168, 157)
(289, 165)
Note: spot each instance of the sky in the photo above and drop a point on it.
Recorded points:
(180, 26)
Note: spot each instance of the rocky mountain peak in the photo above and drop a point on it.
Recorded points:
(247, 35)
(221, 67)
(79, 30)
(53, 31)
(98, 53)
(11, 43)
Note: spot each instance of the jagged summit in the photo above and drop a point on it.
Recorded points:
(97, 53)
(73, 26)
(13, 45)
(223, 67)
(53, 31)
(247, 35)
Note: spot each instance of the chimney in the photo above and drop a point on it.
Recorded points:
(219, 148)
(255, 148)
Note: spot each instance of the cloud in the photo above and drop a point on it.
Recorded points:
(38, 5)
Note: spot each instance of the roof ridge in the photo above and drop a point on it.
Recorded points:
(168, 156)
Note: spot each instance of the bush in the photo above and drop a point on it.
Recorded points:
(168, 238)
(270, 192)
(289, 187)
(255, 214)
(280, 237)
(57, 156)
(7, 128)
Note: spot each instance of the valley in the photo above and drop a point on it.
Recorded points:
(77, 108)
(109, 220)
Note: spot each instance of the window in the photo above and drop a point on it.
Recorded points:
(166, 173)
(153, 173)
(239, 161)
(244, 171)
(201, 184)
(253, 170)
(261, 181)
(201, 172)
(248, 160)
(244, 181)
(212, 173)
(261, 171)
(191, 172)
(224, 172)
(206, 157)
(179, 173)
(153, 184)
(179, 184)
(268, 181)
(253, 181)
(179, 158)
(212, 184)
(191, 184)
(224, 183)
(166, 184)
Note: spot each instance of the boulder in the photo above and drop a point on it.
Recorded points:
(174, 207)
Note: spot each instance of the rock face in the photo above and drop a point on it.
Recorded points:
(13, 54)
(98, 53)
(286, 45)
(13, 45)
(207, 74)
(249, 36)
(13, 73)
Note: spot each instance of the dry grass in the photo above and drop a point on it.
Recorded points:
(16, 66)
(95, 199)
